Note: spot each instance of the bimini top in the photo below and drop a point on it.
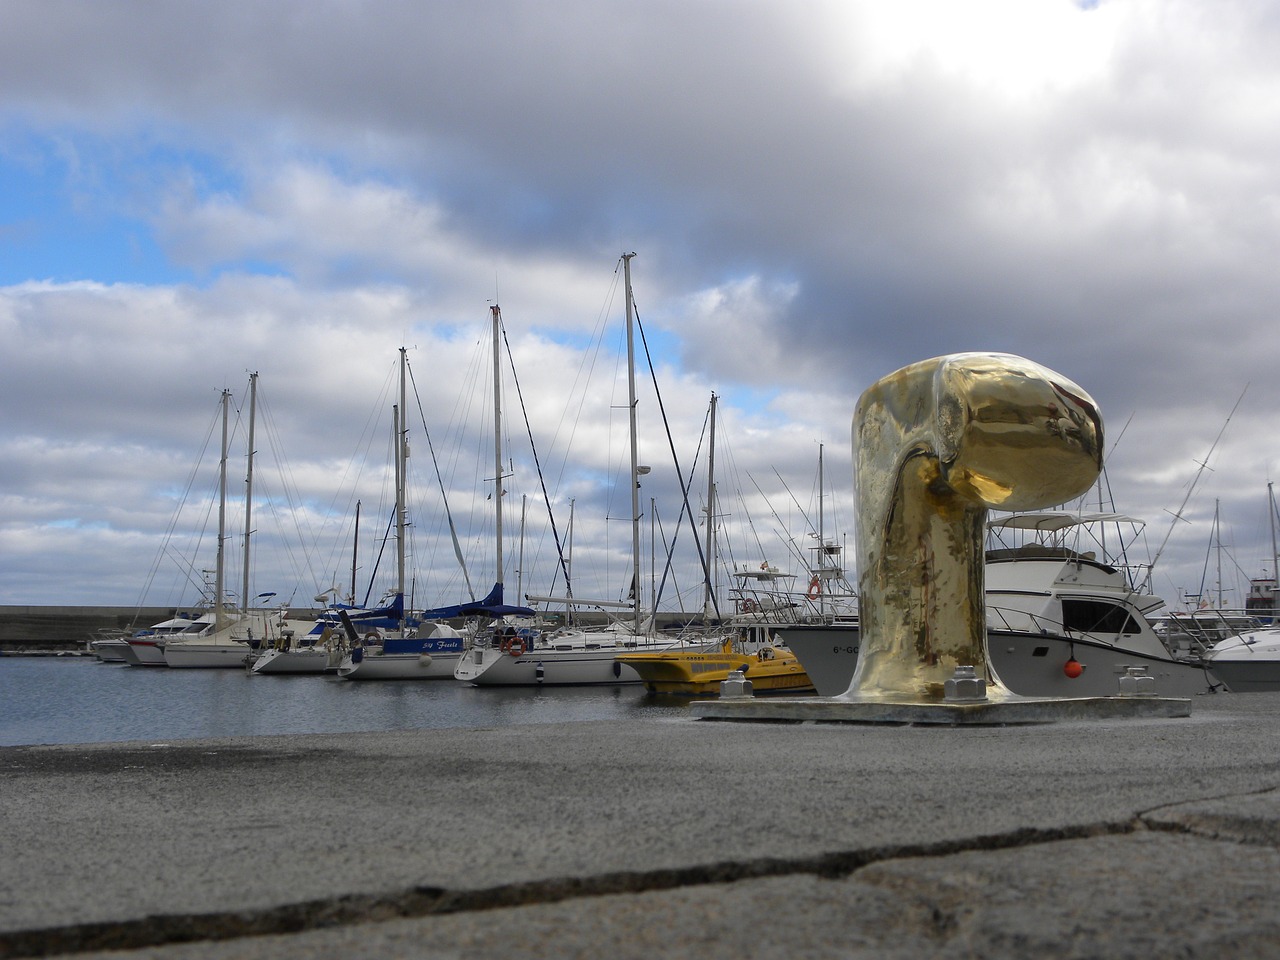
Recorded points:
(1053, 521)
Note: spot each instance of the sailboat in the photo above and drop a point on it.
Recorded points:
(145, 647)
(436, 647)
(576, 656)
(235, 636)
(178, 652)
(1250, 662)
(322, 648)
(750, 648)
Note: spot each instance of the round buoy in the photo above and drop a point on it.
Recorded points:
(1073, 668)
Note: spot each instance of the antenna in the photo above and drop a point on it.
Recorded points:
(1204, 465)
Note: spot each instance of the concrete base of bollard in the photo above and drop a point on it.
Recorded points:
(990, 713)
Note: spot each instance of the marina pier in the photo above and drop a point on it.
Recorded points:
(674, 838)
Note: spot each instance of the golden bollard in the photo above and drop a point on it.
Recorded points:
(937, 444)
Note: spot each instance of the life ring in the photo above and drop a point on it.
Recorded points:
(815, 588)
(749, 605)
(515, 646)
(372, 637)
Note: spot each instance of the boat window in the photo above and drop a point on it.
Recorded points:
(1097, 616)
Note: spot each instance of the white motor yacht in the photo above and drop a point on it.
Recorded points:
(1248, 663)
(1060, 623)
(145, 648)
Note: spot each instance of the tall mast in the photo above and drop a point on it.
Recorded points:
(219, 568)
(1275, 558)
(524, 510)
(568, 565)
(1217, 530)
(248, 492)
(355, 548)
(822, 535)
(707, 605)
(635, 453)
(402, 455)
(497, 441)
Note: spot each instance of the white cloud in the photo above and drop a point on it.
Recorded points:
(817, 197)
(1003, 48)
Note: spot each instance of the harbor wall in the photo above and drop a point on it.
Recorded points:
(69, 627)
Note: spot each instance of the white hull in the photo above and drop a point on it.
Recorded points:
(1030, 665)
(144, 653)
(376, 665)
(573, 659)
(828, 653)
(195, 655)
(110, 651)
(486, 667)
(1249, 663)
(231, 646)
(286, 662)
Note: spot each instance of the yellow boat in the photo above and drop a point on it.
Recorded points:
(771, 669)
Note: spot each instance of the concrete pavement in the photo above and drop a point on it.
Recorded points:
(681, 838)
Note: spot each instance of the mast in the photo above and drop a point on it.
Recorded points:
(1275, 558)
(524, 511)
(355, 547)
(1217, 530)
(707, 604)
(822, 534)
(248, 491)
(402, 456)
(219, 617)
(635, 454)
(497, 442)
(568, 604)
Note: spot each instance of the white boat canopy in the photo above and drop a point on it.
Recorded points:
(1051, 521)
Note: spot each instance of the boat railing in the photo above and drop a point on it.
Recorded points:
(1023, 621)
(1013, 619)
(1193, 634)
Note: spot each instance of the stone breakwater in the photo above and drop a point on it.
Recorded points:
(27, 629)
(30, 628)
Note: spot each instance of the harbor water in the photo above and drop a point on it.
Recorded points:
(49, 700)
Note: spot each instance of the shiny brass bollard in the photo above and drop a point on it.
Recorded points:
(937, 444)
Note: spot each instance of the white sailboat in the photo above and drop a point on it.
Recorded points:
(576, 656)
(236, 636)
(179, 652)
(322, 648)
(1250, 662)
(433, 648)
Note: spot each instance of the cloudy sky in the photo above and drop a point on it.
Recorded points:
(817, 194)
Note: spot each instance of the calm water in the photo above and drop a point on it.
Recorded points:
(79, 700)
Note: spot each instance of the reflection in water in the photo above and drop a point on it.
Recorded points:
(78, 700)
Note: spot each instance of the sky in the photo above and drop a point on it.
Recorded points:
(817, 194)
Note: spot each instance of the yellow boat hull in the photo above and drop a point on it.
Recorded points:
(687, 673)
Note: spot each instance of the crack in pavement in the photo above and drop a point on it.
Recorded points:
(350, 909)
